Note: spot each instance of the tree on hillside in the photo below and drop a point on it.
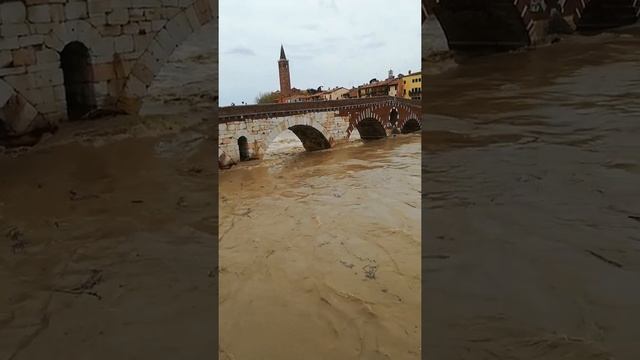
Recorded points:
(267, 97)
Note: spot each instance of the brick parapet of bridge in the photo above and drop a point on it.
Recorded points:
(234, 113)
(128, 41)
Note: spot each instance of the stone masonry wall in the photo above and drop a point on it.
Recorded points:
(261, 132)
(128, 41)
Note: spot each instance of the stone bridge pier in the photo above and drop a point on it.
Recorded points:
(245, 132)
(510, 24)
(64, 59)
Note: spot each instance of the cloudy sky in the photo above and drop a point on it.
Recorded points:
(327, 42)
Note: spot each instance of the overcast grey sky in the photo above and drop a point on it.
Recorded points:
(327, 42)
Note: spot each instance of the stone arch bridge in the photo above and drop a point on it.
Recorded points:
(62, 59)
(510, 24)
(245, 132)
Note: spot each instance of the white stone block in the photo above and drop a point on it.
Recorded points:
(54, 42)
(135, 87)
(130, 29)
(24, 117)
(124, 44)
(59, 93)
(119, 4)
(103, 48)
(145, 3)
(166, 40)
(39, 13)
(118, 17)
(98, 19)
(97, 7)
(12, 71)
(57, 13)
(13, 30)
(173, 3)
(170, 12)
(193, 18)
(75, 10)
(13, 12)
(112, 30)
(101, 88)
(6, 91)
(156, 25)
(30, 40)
(179, 27)
(42, 29)
(5, 58)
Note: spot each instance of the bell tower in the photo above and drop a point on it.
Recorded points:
(285, 79)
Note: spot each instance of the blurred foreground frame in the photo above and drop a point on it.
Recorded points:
(108, 180)
(530, 171)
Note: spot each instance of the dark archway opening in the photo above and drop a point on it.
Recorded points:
(78, 80)
(479, 26)
(605, 14)
(371, 129)
(411, 125)
(243, 147)
(312, 139)
(393, 116)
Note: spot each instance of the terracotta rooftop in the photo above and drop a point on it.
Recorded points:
(380, 83)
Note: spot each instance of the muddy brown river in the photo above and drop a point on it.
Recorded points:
(531, 175)
(108, 229)
(320, 253)
(531, 238)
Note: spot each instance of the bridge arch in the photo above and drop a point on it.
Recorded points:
(128, 45)
(158, 50)
(510, 24)
(369, 124)
(596, 15)
(313, 135)
(370, 129)
(411, 125)
(77, 71)
(480, 25)
(243, 148)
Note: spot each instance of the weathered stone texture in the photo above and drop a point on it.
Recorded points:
(332, 123)
(121, 35)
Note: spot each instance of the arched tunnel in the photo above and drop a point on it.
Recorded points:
(481, 25)
(605, 14)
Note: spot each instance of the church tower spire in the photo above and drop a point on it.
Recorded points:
(285, 79)
(282, 55)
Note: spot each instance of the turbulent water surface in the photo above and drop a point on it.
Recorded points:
(108, 229)
(531, 175)
(320, 253)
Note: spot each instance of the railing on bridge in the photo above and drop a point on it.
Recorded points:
(233, 113)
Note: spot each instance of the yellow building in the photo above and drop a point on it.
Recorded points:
(412, 86)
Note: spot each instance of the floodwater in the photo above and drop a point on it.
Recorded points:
(108, 229)
(531, 176)
(320, 252)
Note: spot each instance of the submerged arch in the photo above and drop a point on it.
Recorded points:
(411, 125)
(313, 136)
(243, 148)
(190, 19)
(484, 25)
(602, 14)
(75, 61)
(370, 129)
(312, 139)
